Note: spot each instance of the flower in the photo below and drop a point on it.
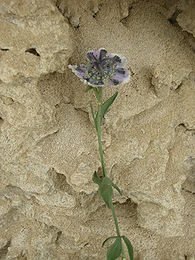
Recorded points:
(102, 66)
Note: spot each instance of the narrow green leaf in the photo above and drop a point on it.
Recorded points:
(93, 115)
(105, 190)
(96, 179)
(88, 88)
(114, 251)
(108, 103)
(129, 247)
(114, 185)
(107, 239)
(117, 188)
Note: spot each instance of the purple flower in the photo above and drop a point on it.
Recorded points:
(102, 66)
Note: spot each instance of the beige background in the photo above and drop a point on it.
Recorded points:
(49, 207)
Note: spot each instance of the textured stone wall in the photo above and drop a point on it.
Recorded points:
(49, 206)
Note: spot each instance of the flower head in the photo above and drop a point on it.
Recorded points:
(102, 66)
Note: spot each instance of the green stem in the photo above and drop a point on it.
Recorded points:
(117, 228)
(98, 94)
(115, 220)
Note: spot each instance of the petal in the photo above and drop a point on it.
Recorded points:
(120, 75)
(79, 70)
(95, 82)
(121, 63)
(121, 72)
(102, 54)
(118, 59)
(93, 55)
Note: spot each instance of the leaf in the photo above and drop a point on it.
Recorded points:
(88, 88)
(109, 181)
(114, 251)
(107, 239)
(114, 186)
(117, 188)
(96, 179)
(93, 115)
(129, 247)
(108, 103)
(105, 190)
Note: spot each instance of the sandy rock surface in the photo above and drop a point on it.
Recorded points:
(49, 206)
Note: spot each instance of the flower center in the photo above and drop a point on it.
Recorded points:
(100, 70)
